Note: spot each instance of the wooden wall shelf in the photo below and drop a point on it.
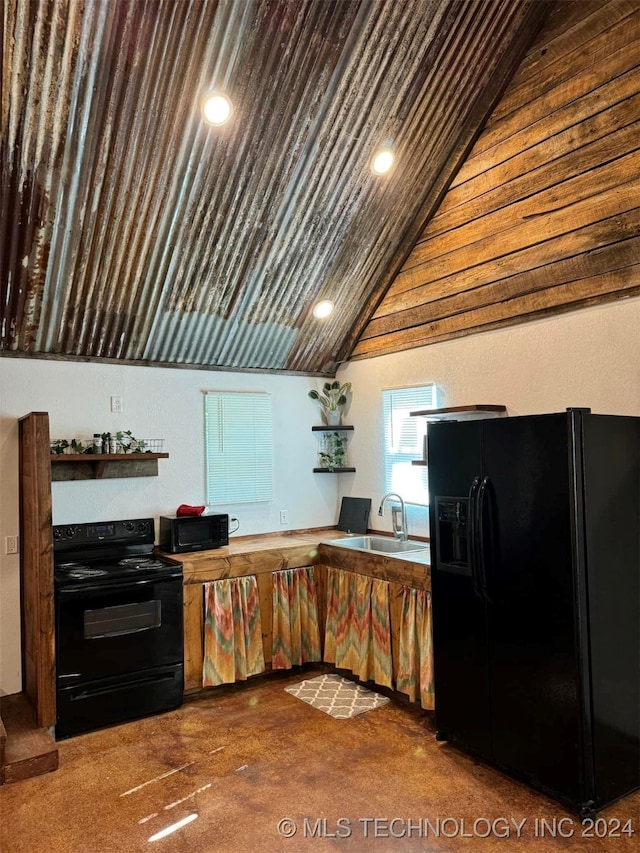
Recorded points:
(338, 457)
(104, 466)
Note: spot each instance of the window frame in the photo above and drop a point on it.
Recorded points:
(400, 430)
(248, 461)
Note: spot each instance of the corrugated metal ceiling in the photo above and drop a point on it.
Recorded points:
(132, 230)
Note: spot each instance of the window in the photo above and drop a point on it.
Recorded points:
(404, 442)
(238, 447)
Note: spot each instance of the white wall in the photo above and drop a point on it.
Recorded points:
(158, 403)
(586, 358)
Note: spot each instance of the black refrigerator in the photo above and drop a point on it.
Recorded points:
(535, 550)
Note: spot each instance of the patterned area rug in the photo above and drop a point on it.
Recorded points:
(337, 696)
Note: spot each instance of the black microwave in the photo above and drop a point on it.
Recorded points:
(179, 534)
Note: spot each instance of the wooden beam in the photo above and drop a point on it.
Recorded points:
(36, 567)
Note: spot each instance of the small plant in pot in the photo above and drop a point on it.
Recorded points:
(331, 400)
(332, 455)
(125, 442)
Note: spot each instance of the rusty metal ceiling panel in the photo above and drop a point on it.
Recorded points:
(132, 230)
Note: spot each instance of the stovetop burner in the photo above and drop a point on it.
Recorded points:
(142, 563)
(110, 570)
(107, 553)
(80, 571)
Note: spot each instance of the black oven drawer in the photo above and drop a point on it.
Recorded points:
(111, 630)
(85, 707)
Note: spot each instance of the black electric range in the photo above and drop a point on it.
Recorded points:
(119, 625)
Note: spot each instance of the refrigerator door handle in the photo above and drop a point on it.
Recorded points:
(472, 536)
(480, 537)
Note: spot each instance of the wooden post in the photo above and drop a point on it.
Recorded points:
(36, 567)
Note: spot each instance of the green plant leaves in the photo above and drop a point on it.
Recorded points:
(334, 396)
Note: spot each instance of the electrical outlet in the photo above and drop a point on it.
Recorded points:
(116, 405)
(11, 545)
(284, 516)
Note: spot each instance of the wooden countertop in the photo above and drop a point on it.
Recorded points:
(248, 555)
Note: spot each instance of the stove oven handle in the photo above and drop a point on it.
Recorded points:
(117, 586)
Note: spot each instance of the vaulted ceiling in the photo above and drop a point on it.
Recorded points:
(132, 230)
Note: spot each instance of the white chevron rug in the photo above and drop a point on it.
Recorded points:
(337, 696)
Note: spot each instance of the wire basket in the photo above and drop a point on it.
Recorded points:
(149, 445)
(128, 444)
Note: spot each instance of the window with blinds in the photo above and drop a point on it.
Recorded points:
(238, 447)
(403, 442)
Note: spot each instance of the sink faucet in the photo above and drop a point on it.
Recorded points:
(399, 529)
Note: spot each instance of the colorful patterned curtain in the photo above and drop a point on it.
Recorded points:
(358, 633)
(296, 635)
(415, 666)
(232, 631)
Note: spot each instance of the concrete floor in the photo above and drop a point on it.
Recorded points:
(245, 759)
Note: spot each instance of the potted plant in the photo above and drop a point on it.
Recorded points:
(125, 442)
(331, 400)
(333, 452)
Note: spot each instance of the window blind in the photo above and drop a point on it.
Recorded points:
(403, 442)
(238, 447)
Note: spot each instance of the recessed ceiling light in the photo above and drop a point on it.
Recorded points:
(217, 109)
(382, 161)
(323, 309)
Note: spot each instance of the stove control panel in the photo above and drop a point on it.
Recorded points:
(65, 532)
(138, 531)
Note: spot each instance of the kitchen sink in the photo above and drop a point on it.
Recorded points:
(380, 544)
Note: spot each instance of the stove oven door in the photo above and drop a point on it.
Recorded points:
(103, 630)
(119, 652)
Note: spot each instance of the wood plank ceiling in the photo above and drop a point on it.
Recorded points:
(130, 230)
(544, 214)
